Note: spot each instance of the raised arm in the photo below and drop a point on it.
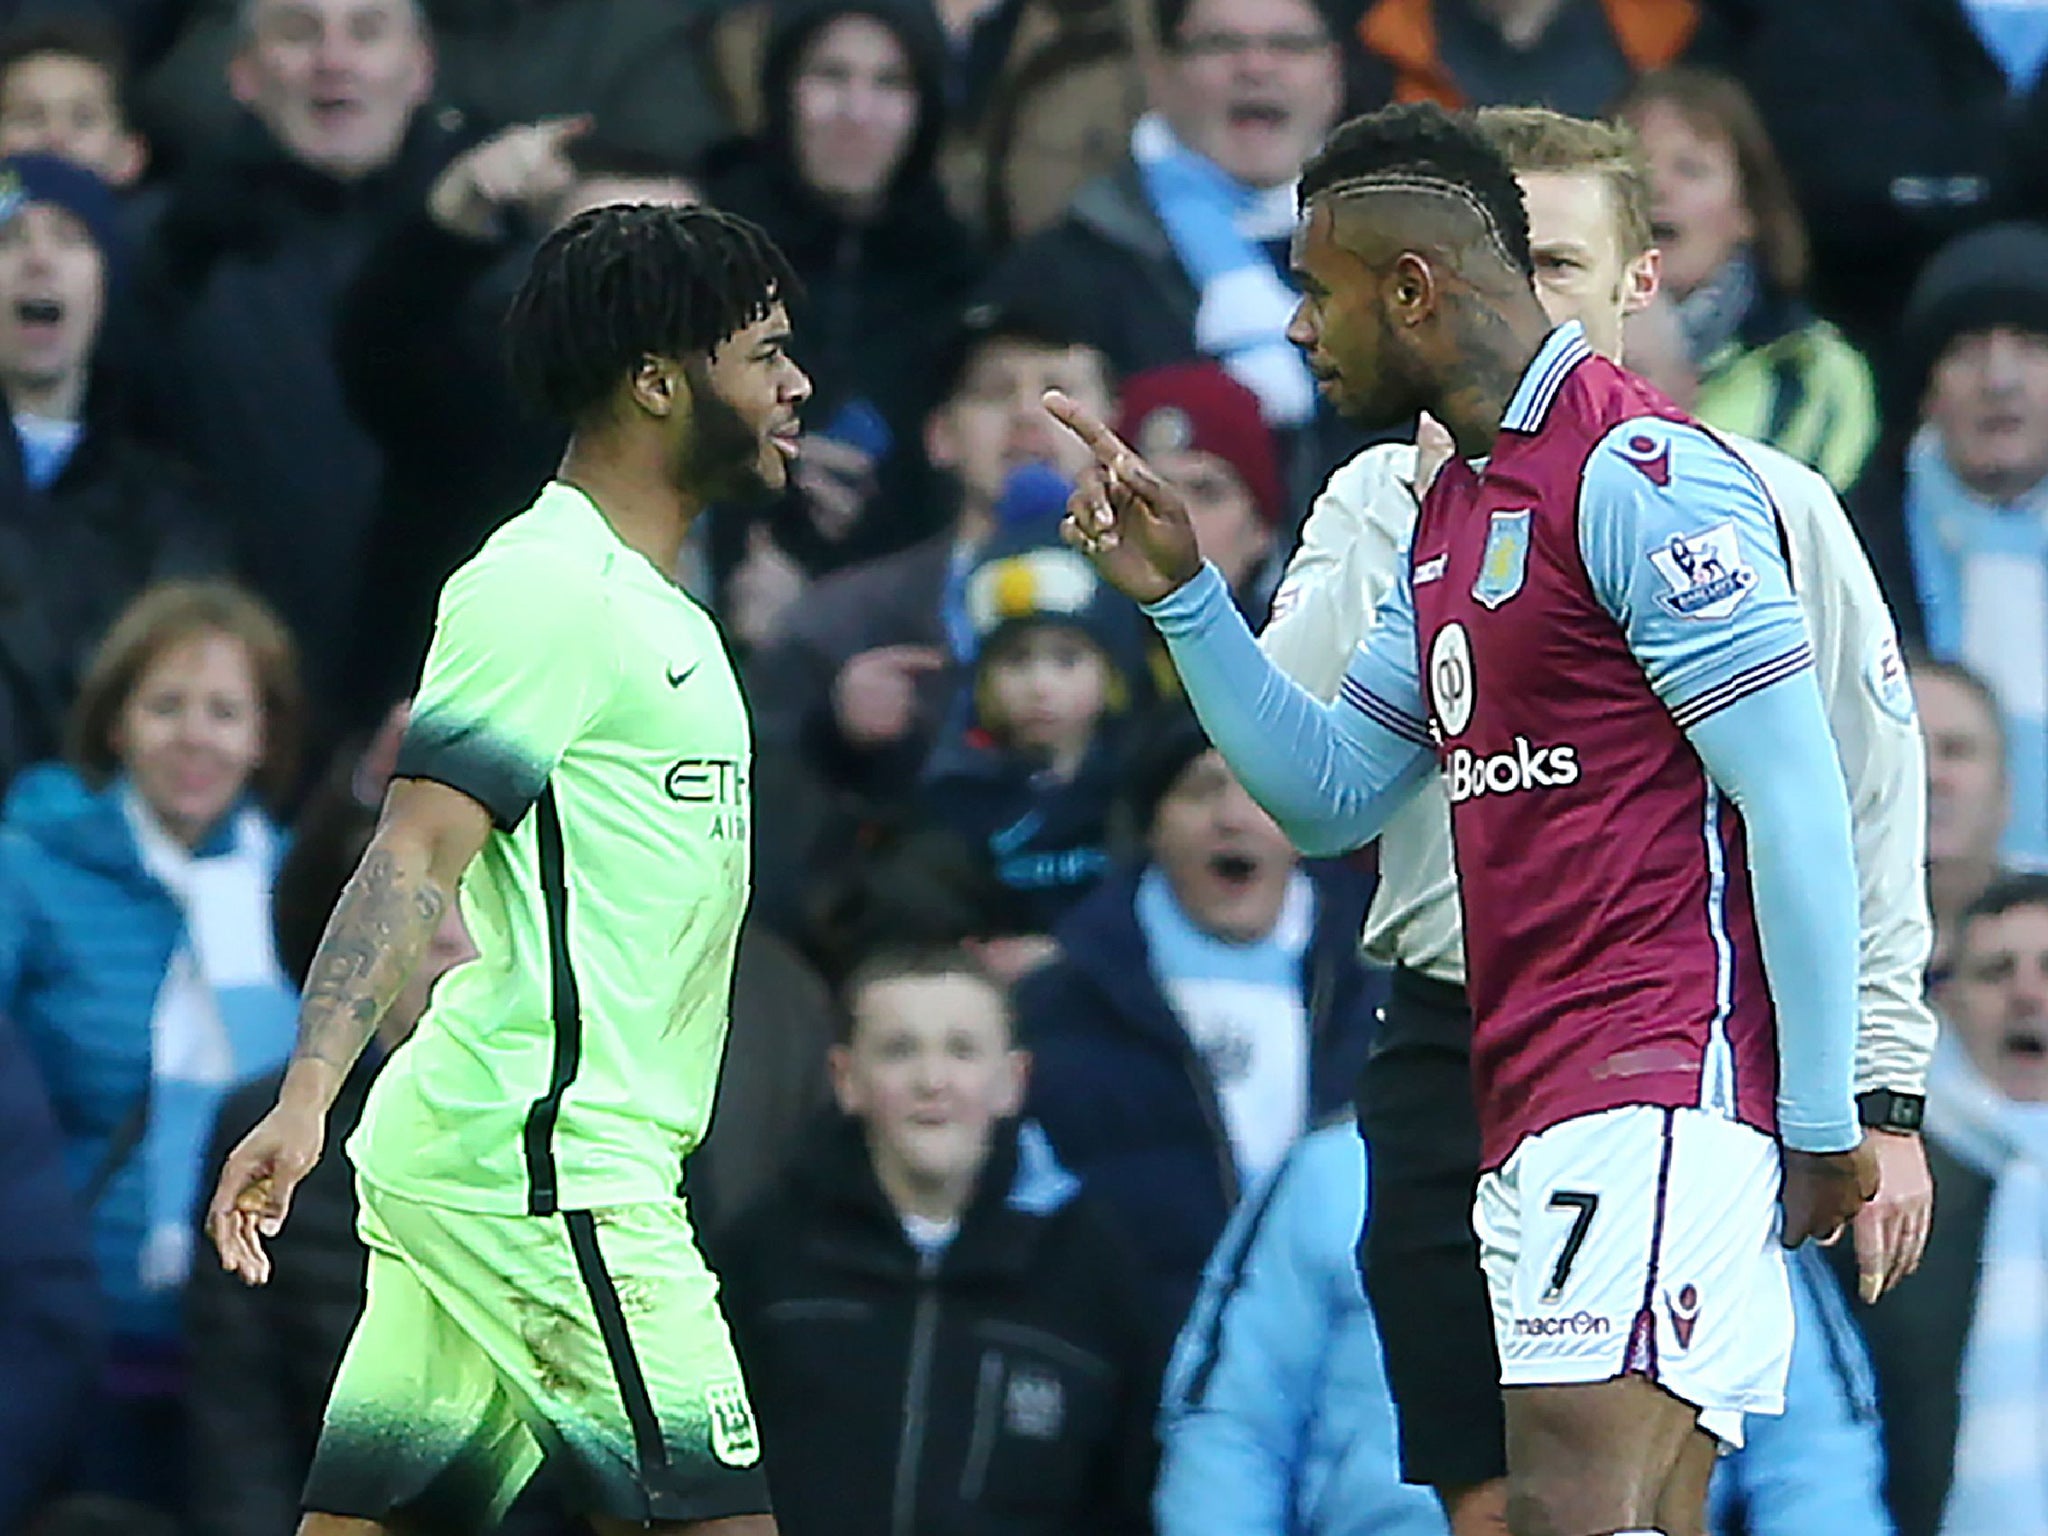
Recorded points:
(412, 338)
(1329, 774)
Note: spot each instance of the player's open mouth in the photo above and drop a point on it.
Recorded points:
(1663, 231)
(2027, 1040)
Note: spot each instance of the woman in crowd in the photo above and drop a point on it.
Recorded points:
(136, 957)
(844, 177)
(1735, 259)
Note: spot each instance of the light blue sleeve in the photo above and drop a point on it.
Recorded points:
(1820, 1466)
(1681, 546)
(1329, 774)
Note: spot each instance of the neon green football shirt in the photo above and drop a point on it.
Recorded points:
(589, 705)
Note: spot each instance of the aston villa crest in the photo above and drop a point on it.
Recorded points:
(1506, 561)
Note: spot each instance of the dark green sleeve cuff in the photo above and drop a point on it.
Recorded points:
(493, 773)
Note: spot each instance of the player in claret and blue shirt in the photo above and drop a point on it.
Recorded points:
(1597, 640)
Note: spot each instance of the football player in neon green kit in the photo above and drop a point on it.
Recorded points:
(577, 767)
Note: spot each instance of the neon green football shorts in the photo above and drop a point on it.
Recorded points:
(589, 1340)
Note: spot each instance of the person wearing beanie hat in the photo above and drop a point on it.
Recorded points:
(1992, 278)
(1028, 580)
(1201, 429)
(88, 516)
(1029, 781)
(56, 182)
(1172, 740)
(55, 250)
(1973, 494)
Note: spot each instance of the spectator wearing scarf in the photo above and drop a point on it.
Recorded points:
(1180, 251)
(1974, 492)
(1961, 1350)
(136, 957)
(2001, 1458)
(1735, 258)
(89, 515)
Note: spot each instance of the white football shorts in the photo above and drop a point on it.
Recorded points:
(1642, 1241)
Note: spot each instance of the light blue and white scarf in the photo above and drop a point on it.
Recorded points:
(224, 1012)
(1217, 225)
(2015, 33)
(2001, 1463)
(46, 446)
(1243, 1010)
(1982, 573)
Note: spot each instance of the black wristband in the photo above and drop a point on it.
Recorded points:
(1883, 1110)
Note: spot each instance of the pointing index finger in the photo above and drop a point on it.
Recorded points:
(563, 129)
(1109, 449)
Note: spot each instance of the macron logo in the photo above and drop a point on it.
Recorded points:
(1649, 456)
(1578, 1325)
(1468, 775)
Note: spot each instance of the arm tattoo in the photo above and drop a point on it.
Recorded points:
(373, 942)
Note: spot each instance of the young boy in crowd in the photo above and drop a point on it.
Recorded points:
(1030, 780)
(63, 89)
(941, 1332)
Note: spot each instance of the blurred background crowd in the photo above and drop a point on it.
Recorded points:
(252, 257)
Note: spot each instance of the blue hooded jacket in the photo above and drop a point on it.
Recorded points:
(86, 937)
(1277, 1419)
(1819, 1466)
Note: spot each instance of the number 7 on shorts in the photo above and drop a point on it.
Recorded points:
(1583, 1204)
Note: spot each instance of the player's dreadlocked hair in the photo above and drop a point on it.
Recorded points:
(618, 284)
(1419, 147)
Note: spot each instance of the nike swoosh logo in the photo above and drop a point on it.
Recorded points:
(677, 679)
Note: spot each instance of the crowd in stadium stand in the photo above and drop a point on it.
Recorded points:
(254, 255)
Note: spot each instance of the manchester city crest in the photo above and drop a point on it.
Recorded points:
(733, 1440)
(1506, 561)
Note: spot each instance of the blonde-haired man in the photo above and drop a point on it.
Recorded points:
(1587, 193)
